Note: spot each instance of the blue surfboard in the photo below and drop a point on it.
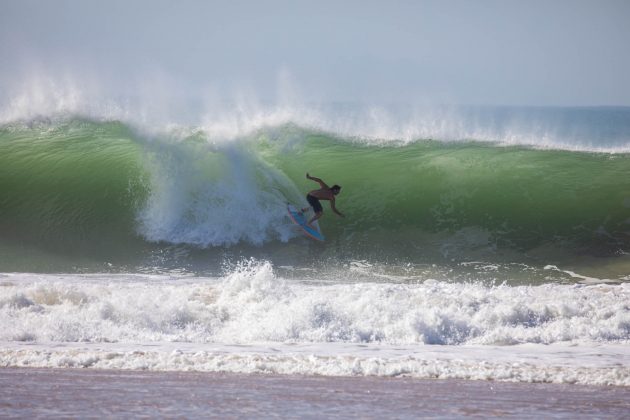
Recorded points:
(299, 219)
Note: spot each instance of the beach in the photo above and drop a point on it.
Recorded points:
(31, 392)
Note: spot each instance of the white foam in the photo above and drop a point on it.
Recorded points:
(253, 321)
(252, 304)
(583, 279)
(218, 194)
(597, 364)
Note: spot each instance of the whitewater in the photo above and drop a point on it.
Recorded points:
(253, 321)
(481, 242)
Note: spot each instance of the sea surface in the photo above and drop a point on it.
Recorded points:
(486, 243)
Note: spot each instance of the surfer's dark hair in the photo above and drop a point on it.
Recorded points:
(336, 187)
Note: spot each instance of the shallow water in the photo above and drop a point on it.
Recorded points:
(86, 393)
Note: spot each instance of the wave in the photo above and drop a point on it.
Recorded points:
(103, 184)
(81, 194)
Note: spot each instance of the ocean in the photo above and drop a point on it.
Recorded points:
(487, 243)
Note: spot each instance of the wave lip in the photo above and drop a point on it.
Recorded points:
(586, 129)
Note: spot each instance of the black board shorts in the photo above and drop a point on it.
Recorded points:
(314, 202)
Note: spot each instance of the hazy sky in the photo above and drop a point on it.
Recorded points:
(468, 52)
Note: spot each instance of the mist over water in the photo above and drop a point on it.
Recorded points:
(161, 108)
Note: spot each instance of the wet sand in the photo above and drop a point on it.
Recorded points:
(35, 392)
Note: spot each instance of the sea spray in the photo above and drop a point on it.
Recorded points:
(213, 194)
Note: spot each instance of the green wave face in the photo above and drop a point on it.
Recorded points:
(500, 196)
(83, 190)
(70, 189)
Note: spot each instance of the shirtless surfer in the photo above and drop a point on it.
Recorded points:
(324, 193)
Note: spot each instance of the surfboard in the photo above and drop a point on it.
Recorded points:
(299, 219)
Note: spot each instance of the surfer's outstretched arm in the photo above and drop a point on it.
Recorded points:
(332, 206)
(313, 178)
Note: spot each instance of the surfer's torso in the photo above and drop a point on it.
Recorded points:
(323, 194)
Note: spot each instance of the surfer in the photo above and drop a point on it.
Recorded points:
(324, 193)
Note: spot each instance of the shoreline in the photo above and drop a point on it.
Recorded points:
(39, 392)
(598, 365)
